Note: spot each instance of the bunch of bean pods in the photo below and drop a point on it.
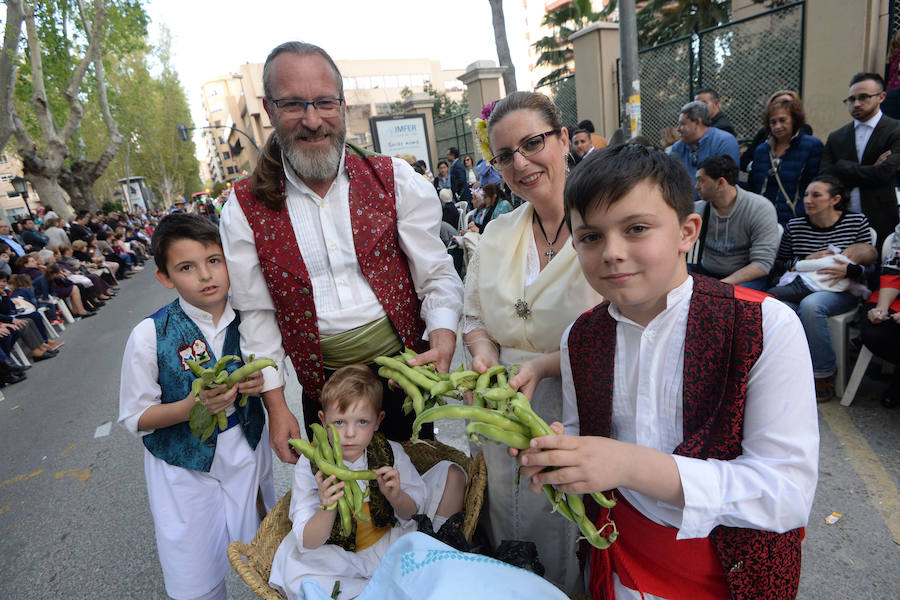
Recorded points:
(328, 459)
(202, 422)
(503, 415)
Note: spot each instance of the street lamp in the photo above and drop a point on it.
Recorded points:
(21, 186)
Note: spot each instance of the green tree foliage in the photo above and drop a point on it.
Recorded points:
(149, 101)
(444, 105)
(659, 21)
(555, 49)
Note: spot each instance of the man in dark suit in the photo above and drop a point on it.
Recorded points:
(459, 182)
(865, 154)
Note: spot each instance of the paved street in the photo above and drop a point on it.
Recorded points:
(74, 519)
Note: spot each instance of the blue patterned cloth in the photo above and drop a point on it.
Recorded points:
(419, 567)
(177, 339)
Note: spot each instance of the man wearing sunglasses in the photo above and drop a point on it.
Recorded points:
(333, 253)
(865, 154)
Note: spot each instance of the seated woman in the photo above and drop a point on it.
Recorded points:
(787, 161)
(490, 204)
(880, 329)
(62, 287)
(31, 326)
(73, 266)
(20, 286)
(827, 223)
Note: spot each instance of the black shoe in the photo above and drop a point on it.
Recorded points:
(86, 315)
(46, 355)
(14, 368)
(10, 378)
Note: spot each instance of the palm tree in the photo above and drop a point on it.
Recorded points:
(555, 49)
(503, 56)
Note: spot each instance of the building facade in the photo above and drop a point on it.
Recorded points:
(12, 205)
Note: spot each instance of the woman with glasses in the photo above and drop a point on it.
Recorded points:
(524, 286)
(787, 161)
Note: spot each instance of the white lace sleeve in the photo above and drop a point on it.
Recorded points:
(472, 300)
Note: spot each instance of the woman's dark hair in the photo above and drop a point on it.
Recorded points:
(608, 174)
(793, 107)
(469, 157)
(443, 162)
(492, 190)
(835, 188)
(181, 226)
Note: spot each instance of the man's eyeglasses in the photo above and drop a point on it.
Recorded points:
(531, 146)
(326, 107)
(860, 98)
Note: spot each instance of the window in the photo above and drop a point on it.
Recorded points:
(6, 177)
(226, 155)
(364, 83)
(3, 159)
(390, 81)
(221, 140)
(231, 170)
(349, 83)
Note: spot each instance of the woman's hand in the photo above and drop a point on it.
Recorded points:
(819, 254)
(878, 315)
(833, 274)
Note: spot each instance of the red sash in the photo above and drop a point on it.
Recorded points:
(649, 559)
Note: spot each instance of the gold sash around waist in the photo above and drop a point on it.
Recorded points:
(360, 345)
(366, 532)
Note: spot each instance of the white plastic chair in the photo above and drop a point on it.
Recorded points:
(51, 330)
(18, 355)
(838, 326)
(64, 310)
(864, 358)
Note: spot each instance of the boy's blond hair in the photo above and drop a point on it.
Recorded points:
(349, 385)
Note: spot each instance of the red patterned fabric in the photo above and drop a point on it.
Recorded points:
(373, 219)
(723, 340)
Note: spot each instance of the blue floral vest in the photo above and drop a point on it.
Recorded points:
(177, 339)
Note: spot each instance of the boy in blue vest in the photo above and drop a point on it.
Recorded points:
(691, 399)
(203, 495)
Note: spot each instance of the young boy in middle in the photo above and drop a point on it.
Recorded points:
(315, 548)
(692, 399)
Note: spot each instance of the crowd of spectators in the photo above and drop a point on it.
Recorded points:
(799, 218)
(49, 262)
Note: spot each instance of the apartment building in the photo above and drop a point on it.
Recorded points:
(371, 88)
(12, 205)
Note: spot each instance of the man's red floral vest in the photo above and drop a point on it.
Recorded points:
(373, 219)
(723, 341)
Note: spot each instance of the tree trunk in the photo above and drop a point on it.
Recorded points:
(52, 195)
(78, 182)
(509, 75)
(15, 13)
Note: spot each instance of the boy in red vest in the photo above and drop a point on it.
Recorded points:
(692, 400)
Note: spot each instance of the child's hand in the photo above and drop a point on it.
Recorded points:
(218, 398)
(252, 385)
(577, 458)
(528, 377)
(329, 491)
(389, 483)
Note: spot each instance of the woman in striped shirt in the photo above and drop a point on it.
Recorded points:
(827, 225)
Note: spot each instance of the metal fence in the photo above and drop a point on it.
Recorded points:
(455, 130)
(562, 92)
(744, 61)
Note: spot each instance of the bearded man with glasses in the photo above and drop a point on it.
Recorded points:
(865, 154)
(333, 253)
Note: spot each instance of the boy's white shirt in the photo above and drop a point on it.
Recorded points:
(139, 387)
(772, 484)
(305, 490)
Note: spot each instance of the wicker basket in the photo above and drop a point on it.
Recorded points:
(253, 562)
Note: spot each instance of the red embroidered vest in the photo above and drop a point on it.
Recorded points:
(723, 341)
(373, 219)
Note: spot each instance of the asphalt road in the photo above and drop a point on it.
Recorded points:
(75, 523)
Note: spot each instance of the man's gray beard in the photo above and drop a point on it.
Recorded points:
(314, 165)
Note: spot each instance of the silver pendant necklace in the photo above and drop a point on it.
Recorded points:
(550, 253)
